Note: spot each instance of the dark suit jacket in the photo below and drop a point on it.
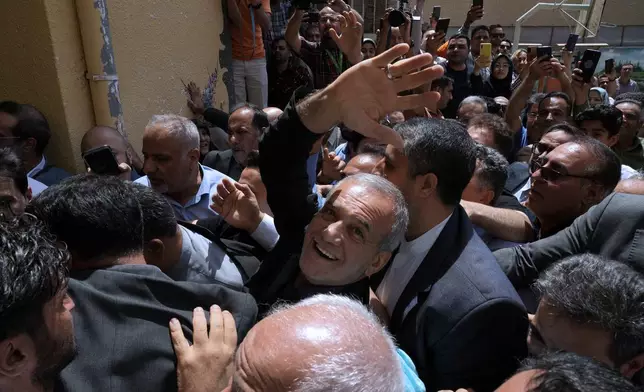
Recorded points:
(283, 153)
(51, 175)
(518, 174)
(224, 162)
(613, 229)
(121, 326)
(468, 326)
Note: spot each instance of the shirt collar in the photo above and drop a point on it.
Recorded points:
(207, 183)
(423, 243)
(39, 167)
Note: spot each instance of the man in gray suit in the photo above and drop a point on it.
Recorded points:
(123, 305)
(614, 229)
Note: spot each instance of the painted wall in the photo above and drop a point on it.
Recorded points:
(506, 12)
(42, 64)
(158, 44)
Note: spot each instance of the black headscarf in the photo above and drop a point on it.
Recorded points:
(500, 87)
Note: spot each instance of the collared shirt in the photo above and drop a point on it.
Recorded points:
(522, 193)
(634, 156)
(628, 172)
(201, 261)
(412, 381)
(281, 86)
(409, 257)
(198, 207)
(35, 186)
(39, 167)
(630, 87)
(279, 19)
(326, 63)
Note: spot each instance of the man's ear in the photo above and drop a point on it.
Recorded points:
(632, 366)
(14, 357)
(594, 193)
(29, 194)
(194, 155)
(612, 140)
(154, 254)
(378, 263)
(426, 185)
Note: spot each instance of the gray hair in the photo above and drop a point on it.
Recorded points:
(178, 127)
(473, 99)
(385, 188)
(363, 366)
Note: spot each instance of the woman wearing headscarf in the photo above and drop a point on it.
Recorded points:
(500, 82)
(599, 96)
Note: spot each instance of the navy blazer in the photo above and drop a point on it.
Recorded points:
(468, 327)
(51, 175)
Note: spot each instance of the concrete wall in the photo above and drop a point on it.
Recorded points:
(157, 43)
(506, 12)
(42, 64)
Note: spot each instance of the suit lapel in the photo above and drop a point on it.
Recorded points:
(439, 259)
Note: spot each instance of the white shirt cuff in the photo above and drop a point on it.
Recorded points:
(266, 233)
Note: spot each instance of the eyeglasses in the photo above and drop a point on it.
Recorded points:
(498, 35)
(549, 174)
(504, 46)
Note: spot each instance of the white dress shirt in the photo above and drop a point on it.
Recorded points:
(404, 265)
(38, 168)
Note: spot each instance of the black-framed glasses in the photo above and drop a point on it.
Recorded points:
(550, 174)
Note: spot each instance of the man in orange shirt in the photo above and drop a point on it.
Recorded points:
(250, 80)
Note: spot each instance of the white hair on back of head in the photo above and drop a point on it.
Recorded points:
(358, 362)
(179, 127)
(474, 99)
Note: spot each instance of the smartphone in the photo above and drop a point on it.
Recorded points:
(486, 49)
(609, 66)
(532, 53)
(544, 51)
(101, 160)
(442, 25)
(589, 63)
(436, 12)
(572, 42)
(477, 3)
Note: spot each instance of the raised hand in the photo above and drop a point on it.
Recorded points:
(540, 68)
(195, 102)
(332, 166)
(350, 39)
(367, 92)
(433, 40)
(475, 13)
(580, 88)
(237, 204)
(205, 365)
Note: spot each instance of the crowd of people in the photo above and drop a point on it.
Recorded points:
(368, 217)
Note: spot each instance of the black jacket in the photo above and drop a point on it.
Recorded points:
(467, 327)
(121, 326)
(224, 162)
(283, 153)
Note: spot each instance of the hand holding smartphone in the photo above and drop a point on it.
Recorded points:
(442, 25)
(589, 63)
(101, 160)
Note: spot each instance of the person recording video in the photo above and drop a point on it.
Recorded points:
(341, 43)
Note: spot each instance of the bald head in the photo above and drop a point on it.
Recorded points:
(273, 113)
(323, 343)
(362, 163)
(106, 136)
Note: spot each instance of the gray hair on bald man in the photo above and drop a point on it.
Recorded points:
(178, 127)
(365, 358)
(384, 187)
(474, 99)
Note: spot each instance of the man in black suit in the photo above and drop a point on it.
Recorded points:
(613, 229)
(27, 130)
(245, 126)
(451, 308)
(123, 305)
